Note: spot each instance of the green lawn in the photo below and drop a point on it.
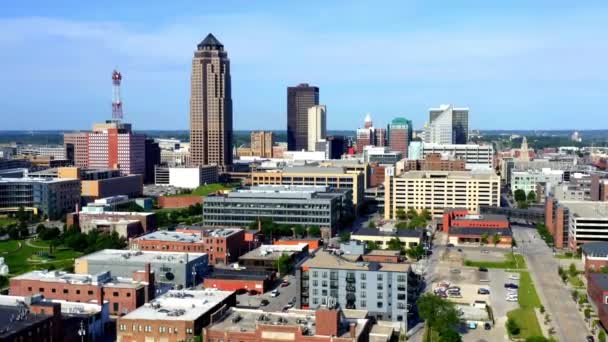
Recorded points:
(5, 221)
(205, 190)
(514, 261)
(528, 301)
(26, 258)
(563, 256)
(575, 281)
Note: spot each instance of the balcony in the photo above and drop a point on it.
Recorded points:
(350, 279)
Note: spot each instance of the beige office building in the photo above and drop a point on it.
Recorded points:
(436, 191)
(317, 125)
(211, 106)
(333, 177)
(261, 144)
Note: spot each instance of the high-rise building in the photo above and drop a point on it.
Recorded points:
(400, 135)
(447, 125)
(317, 125)
(211, 105)
(299, 99)
(152, 159)
(261, 144)
(380, 137)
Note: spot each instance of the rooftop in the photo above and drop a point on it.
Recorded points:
(599, 278)
(272, 252)
(248, 320)
(153, 257)
(412, 233)
(383, 252)
(482, 217)
(587, 209)
(477, 231)
(187, 237)
(183, 305)
(227, 273)
(69, 308)
(449, 175)
(280, 192)
(314, 170)
(36, 180)
(100, 279)
(596, 249)
(15, 317)
(324, 259)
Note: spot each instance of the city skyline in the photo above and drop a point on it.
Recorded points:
(515, 66)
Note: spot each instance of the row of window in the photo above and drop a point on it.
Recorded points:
(148, 328)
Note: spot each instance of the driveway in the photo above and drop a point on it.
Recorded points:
(556, 298)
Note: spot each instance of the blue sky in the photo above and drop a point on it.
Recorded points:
(515, 64)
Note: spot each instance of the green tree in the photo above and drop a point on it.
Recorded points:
(344, 236)
(314, 231)
(402, 225)
(512, 327)
(572, 270)
(604, 269)
(496, 239)
(394, 244)
(439, 314)
(283, 264)
(601, 336)
(416, 252)
(450, 336)
(412, 213)
(300, 230)
(522, 204)
(401, 215)
(484, 238)
(425, 214)
(40, 227)
(531, 197)
(372, 245)
(587, 313)
(537, 339)
(519, 195)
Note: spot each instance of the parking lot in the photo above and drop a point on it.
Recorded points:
(470, 280)
(286, 294)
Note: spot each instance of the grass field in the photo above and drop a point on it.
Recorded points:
(528, 301)
(575, 281)
(5, 221)
(513, 261)
(205, 190)
(22, 256)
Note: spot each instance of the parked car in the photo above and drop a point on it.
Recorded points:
(590, 338)
(449, 245)
(459, 249)
(483, 291)
(514, 276)
(274, 293)
(285, 283)
(472, 325)
(487, 326)
(454, 288)
(511, 286)
(455, 271)
(293, 301)
(483, 269)
(264, 302)
(485, 251)
(512, 299)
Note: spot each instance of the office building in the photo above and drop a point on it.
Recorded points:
(50, 197)
(336, 146)
(31, 321)
(296, 205)
(175, 316)
(299, 99)
(123, 294)
(476, 157)
(369, 135)
(382, 235)
(447, 125)
(211, 106)
(265, 258)
(463, 228)
(125, 224)
(57, 152)
(573, 223)
(400, 135)
(383, 289)
(92, 318)
(436, 191)
(431, 162)
(222, 245)
(317, 126)
(334, 177)
(181, 269)
(152, 159)
(186, 177)
(381, 155)
(528, 180)
(322, 325)
(262, 143)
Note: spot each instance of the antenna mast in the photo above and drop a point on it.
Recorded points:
(116, 102)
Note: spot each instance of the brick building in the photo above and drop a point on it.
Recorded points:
(175, 316)
(123, 294)
(597, 291)
(183, 201)
(594, 256)
(313, 243)
(463, 227)
(234, 280)
(431, 162)
(31, 321)
(223, 245)
(265, 257)
(573, 223)
(126, 224)
(321, 325)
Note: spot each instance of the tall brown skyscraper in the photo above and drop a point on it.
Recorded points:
(211, 105)
(261, 144)
(299, 99)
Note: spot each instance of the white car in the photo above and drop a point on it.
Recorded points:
(274, 293)
(514, 276)
(512, 299)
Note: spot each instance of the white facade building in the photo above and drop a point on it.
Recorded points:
(317, 125)
(186, 177)
(527, 180)
(477, 157)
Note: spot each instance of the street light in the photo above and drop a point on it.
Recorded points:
(82, 332)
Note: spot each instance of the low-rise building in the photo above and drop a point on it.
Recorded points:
(186, 177)
(294, 205)
(437, 191)
(90, 317)
(573, 223)
(385, 290)
(51, 197)
(477, 157)
(175, 316)
(381, 155)
(172, 268)
(321, 325)
(123, 294)
(30, 321)
(381, 236)
(101, 183)
(527, 180)
(222, 245)
(595, 256)
(465, 228)
(228, 279)
(431, 162)
(265, 257)
(126, 224)
(597, 292)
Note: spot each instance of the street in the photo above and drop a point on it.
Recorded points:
(554, 295)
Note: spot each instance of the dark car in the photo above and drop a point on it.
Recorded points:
(590, 338)
(264, 302)
(511, 286)
(483, 269)
(483, 291)
(450, 245)
(487, 326)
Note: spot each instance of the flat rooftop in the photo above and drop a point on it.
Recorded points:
(66, 307)
(438, 175)
(182, 305)
(102, 279)
(187, 237)
(273, 252)
(326, 260)
(383, 252)
(314, 170)
(478, 231)
(36, 180)
(482, 217)
(411, 233)
(248, 320)
(280, 193)
(153, 257)
(112, 213)
(587, 209)
(10, 325)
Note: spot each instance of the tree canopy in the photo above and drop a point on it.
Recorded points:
(440, 314)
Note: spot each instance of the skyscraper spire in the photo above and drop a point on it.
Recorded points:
(116, 101)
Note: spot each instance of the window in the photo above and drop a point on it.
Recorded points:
(53, 290)
(189, 331)
(315, 292)
(115, 294)
(379, 295)
(363, 276)
(315, 301)
(379, 277)
(315, 283)
(77, 291)
(379, 305)
(363, 286)
(324, 275)
(29, 289)
(116, 308)
(41, 289)
(123, 327)
(315, 273)
(128, 294)
(148, 328)
(363, 304)
(66, 291)
(90, 293)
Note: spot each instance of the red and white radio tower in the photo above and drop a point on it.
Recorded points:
(116, 102)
